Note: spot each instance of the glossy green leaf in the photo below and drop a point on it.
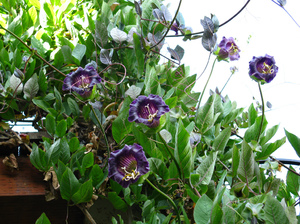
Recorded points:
(269, 134)
(73, 106)
(121, 126)
(97, 176)
(43, 219)
(61, 128)
(293, 182)
(74, 144)
(84, 193)
(69, 184)
(31, 87)
(221, 140)
(269, 148)
(274, 212)
(235, 160)
(37, 158)
(206, 168)
(52, 154)
(158, 167)
(183, 150)
(294, 140)
(205, 117)
(202, 210)
(50, 124)
(117, 201)
(78, 53)
(58, 99)
(246, 165)
(253, 131)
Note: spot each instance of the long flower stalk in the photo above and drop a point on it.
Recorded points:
(166, 196)
(263, 111)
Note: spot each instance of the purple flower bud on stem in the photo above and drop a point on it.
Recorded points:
(228, 48)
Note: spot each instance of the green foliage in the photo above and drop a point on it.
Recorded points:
(197, 155)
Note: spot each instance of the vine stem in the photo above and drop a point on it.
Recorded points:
(227, 21)
(170, 199)
(31, 50)
(166, 33)
(101, 128)
(86, 213)
(263, 111)
(171, 154)
(205, 88)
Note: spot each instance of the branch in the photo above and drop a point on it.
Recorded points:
(220, 25)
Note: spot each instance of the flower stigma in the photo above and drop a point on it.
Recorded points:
(83, 85)
(128, 176)
(151, 116)
(233, 48)
(267, 69)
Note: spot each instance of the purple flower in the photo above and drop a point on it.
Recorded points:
(82, 80)
(174, 27)
(126, 165)
(228, 48)
(147, 110)
(263, 68)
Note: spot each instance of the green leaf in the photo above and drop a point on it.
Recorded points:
(100, 117)
(221, 140)
(203, 210)
(74, 144)
(43, 219)
(205, 117)
(206, 169)
(269, 148)
(138, 53)
(58, 99)
(69, 184)
(294, 140)
(31, 87)
(78, 53)
(97, 176)
(274, 212)
(252, 115)
(64, 151)
(269, 134)
(158, 167)
(88, 160)
(183, 150)
(73, 106)
(84, 194)
(37, 158)
(101, 34)
(50, 124)
(216, 214)
(253, 131)
(293, 182)
(121, 126)
(143, 140)
(117, 201)
(36, 44)
(235, 160)
(246, 164)
(52, 154)
(61, 128)
(42, 104)
(67, 53)
(32, 16)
